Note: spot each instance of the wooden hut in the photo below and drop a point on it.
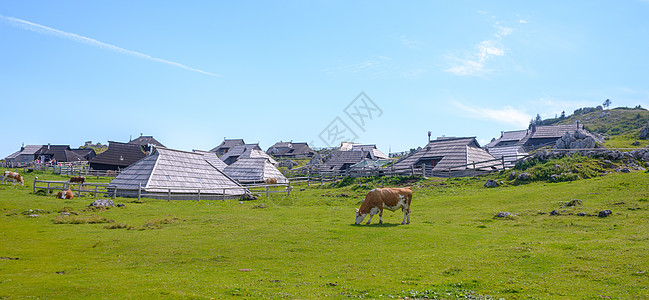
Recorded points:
(254, 170)
(118, 156)
(446, 154)
(290, 150)
(26, 155)
(227, 145)
(343, 160)
(245, 151)
(181, 171)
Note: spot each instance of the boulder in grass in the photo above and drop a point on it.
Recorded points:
(492, 183)
(102, 203)
(605, 213)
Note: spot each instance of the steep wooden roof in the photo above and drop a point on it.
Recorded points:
(288, 149)
(228, 144)
(342, 159)
(146, 140)
(553, 131)
(182, 170)
(247, 170)
(119, 154)
(242, 151)
(449, 152)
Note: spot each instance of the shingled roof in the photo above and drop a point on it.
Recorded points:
(212, 159)
(251, 170)
(184, 171)
(117, 156)
(62, 153)
(145, 140)
(447, 153)
(553, 131)
(227, 145)
(245, 151)
(370, 148)
(508, 138)
(342, 160)
(290, 149)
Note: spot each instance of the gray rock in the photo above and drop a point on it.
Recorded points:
(65, 213)
(644, 132)
(582, 214)
(120, 205)
(492, 183)
(248, 196)
(524, 176)
(604, 213)
(503, 214)
(102, 202)
(554, 213)
(574, 202)
(33, 216)
(289, 164)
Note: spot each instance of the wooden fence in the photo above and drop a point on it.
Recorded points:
(87, 187)
(182, 193)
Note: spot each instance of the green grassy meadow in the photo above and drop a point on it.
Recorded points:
(305, 246)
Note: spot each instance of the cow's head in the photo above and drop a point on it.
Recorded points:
(359, 217)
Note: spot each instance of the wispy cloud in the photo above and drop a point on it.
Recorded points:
(412, 44)
(26, 25)
(506, 115)
(374, 67)
(474, 62)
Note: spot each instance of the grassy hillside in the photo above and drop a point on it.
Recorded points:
(305, 245)
(621, 126)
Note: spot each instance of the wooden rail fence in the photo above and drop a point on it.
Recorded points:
(87, 187)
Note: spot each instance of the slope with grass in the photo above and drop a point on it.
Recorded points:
(305, 245)
(621, 126)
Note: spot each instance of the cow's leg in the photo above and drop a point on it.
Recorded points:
(370, 220)
(380, 215)
(406, 216)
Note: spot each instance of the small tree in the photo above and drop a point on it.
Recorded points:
(563, 114)
(607, 103)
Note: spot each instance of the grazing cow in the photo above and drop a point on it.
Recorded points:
(271, 180)
(13, 175)
(67, 195)
(389, 198)
(79, 180)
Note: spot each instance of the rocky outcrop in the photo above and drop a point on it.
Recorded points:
(644, 132)
(580, 139)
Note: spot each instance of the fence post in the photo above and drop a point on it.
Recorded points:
(224, 194)
(288, 189)
(502, 159)
(34, 188)
(169, 195)
(199, 195)
(139, 192)
(412, 170)
(267, 194)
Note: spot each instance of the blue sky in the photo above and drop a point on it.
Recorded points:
(193, 73)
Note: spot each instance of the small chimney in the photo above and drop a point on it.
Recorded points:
(48, 146)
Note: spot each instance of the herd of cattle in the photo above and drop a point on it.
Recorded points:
(375, 201)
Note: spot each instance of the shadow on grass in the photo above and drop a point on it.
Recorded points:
(375, 225)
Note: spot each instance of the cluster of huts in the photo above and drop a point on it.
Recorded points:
(145, 163)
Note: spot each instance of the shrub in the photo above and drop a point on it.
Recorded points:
(85, 219)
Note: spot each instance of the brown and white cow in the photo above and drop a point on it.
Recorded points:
(271, 180)
(389, 198)
(80, 180)
(13, 175)
(65, 195)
